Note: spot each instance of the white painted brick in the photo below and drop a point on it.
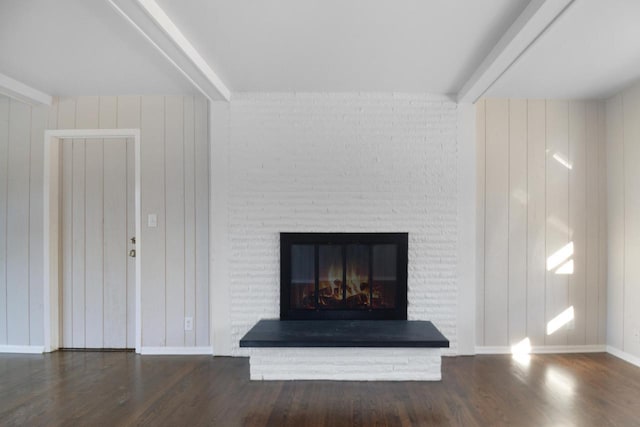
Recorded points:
(342, 162)
(362, 364)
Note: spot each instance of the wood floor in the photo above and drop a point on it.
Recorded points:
(95, 389)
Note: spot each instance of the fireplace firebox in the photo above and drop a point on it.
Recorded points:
(347, 276)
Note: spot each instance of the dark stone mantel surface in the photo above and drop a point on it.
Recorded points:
(344, 333)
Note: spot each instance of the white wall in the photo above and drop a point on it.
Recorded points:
(174, 186)
(331, 162)
(623, 214)
(531, 204)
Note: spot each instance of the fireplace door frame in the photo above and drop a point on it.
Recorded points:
(287, 240)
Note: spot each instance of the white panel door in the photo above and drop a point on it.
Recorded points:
(98, 284)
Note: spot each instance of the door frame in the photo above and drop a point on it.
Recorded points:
(51, 227)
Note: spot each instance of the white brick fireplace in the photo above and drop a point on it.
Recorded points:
(331, 163)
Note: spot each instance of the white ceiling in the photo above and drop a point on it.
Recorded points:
(80, 47)
(591, 51)
(338, 45)
(83, 47)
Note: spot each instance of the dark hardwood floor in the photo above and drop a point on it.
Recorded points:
(95, 389)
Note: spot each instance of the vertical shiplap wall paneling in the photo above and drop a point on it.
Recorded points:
(536, 220)
(184, 170)
(592, 226)
(108, 112)
(66, 245)
(602, 224)
(131, 232)
(67, 120)
(88, 117)
(67, 113)
(94, 243)
(117, 320)
(480, 232)
(17, 269)
(577, 220)
(541, 190)
(557, 194)
(174, 190)
(202, 319)
(615, 222)
(39, 121)
(115, 295)
(78, 240)
(56, 219)
(87, 112)
(128, 111)
(631, 291)
(518, 200)
(622, 232)
(497, 223)
(4, 167)
(189, 180)
(153, 203)
(107, 319)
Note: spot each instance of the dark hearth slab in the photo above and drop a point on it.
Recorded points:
(344, 333)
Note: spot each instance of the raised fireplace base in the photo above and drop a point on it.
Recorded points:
(351, 350)
(346, 364)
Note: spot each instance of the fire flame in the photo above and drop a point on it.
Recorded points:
(355, 287)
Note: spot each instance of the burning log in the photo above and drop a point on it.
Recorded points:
(309, 301)
(358, 300)
(326, 291)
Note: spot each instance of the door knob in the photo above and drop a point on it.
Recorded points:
(132, 253)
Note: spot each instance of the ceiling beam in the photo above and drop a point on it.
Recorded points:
(156, 26)
(20, 91)
(536, 18)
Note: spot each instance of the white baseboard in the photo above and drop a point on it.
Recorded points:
(176, 351)
(493, 350)
(24, 349)
(555, 349)
(634, 360)
(549, 349)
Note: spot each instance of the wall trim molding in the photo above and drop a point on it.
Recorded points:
(547, 349)
(51, 232)
(627, 357)
(20, 91)
(23, 349)
(176, 351)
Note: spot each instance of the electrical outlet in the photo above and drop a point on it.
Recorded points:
(636, 336)
(188, 323)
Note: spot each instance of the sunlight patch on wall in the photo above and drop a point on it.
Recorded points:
(560, 320)
(564, 162)
(566, 268)
(560, 256)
